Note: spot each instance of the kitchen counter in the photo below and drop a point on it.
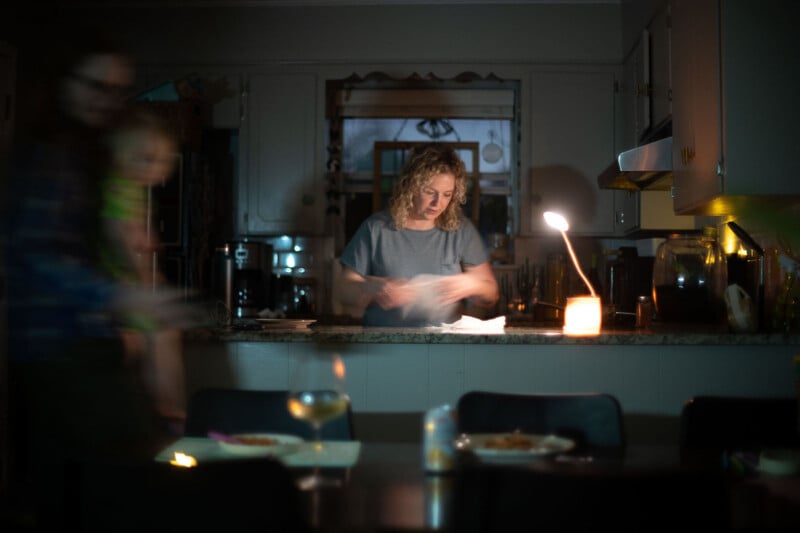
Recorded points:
(404, 372)
(657, 335)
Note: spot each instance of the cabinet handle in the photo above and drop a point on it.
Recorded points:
(687, 154)
(243, 101)
(644, 90)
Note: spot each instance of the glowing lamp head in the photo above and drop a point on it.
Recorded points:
(556, 221)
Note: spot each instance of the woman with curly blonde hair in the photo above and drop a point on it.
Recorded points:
(422, 166)
(412, 264)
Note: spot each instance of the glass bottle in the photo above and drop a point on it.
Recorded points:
(555, 291)
(621, 278)
(594, 276)
(786, 317)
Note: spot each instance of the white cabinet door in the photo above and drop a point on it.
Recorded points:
(695, 104)
(648, 211)
(572, 140)
(734, 103)
(626, 211)
(633, 105)
(279, 190)
(660, 83)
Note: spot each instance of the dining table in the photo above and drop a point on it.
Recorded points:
(383, 486)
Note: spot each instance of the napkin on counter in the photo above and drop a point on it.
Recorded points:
(470, 324)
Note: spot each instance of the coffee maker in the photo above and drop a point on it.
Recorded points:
(245, 271)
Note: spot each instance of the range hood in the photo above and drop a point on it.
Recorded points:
(645, 168)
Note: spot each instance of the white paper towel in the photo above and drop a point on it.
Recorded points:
(470, 324)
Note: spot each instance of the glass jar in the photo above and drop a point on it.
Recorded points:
(689, 279)
(786, 318)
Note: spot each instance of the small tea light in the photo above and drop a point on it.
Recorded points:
(183, 460)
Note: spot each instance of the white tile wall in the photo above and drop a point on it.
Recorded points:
(398, 378)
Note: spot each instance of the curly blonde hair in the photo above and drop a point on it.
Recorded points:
(425, 162)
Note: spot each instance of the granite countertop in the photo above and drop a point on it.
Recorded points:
(658, 334)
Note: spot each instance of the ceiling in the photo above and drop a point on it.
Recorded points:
(285, 3)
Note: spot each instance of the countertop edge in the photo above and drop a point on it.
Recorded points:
(511, 335)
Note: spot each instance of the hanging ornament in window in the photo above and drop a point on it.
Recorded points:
(435, 128)
(492, 152)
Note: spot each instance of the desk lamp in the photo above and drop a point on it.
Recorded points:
(582, 313)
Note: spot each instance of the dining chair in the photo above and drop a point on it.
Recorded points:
(250, 494)
(712, 425)
(255, 411)
(552, 497)
(592, 420)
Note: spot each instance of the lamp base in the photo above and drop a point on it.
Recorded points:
(582, 316)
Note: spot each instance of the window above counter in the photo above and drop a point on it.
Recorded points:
(376, 119)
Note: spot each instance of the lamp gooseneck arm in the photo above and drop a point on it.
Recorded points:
(577, 265)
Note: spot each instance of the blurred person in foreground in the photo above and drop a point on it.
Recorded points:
(142, 155)
(413, 263)
(71, 396)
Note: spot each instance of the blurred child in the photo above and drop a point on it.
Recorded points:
(142, 155)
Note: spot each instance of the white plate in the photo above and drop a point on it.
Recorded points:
(283, 444)
(539, 446)
(284, 323)
(779, 462)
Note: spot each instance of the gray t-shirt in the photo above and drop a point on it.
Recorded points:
(378, 249)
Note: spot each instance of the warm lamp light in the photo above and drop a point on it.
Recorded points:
(183, 460)
(582, 314)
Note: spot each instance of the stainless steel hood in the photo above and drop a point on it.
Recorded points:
(645, 168)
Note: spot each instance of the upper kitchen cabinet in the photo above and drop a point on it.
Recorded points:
(647, 212)
(572, 126)
(646, 87)
(734, 89)
(635, 98)
(280, 190)
(659, 88)
(218, 90)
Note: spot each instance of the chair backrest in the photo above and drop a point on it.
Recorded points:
(250, 411)
(738, 423)
(592, 420)
(489, 498)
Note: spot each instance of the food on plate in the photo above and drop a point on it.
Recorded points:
(512, 441)
(255, 440)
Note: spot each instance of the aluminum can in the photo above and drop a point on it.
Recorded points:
(438, 502)
(438, 434)
(644, 312)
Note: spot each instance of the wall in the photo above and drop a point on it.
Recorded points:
(589, 33)
(636, 15)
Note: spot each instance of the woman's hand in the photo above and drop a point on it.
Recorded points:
(393, 293)
(454, 288)
(476, 282)
(359, 291)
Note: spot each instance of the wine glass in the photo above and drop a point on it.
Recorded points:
(316, 395)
